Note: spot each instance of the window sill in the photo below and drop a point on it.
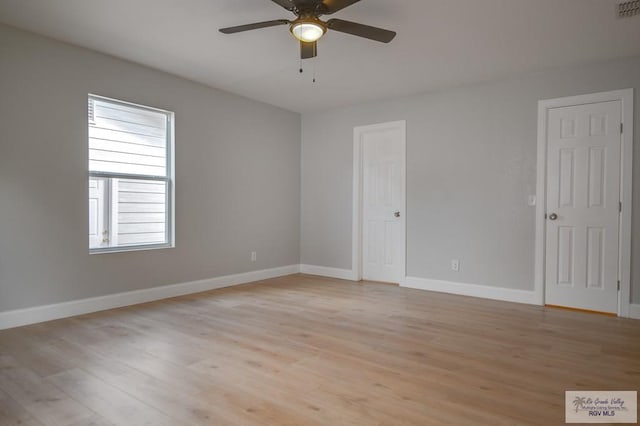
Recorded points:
(130, 248)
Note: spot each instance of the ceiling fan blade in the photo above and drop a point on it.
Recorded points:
(308, 50)
(332, 6)
(257, 25)
(287, 4)
(361, 30)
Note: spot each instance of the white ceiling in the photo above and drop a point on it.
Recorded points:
(440, 43)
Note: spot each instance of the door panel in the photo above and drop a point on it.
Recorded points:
(383, 242)
(98, 214)
(583, 190)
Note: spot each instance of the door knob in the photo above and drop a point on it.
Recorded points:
(553, 216)
(397, 214)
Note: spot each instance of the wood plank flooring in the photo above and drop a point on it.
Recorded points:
(303, 350)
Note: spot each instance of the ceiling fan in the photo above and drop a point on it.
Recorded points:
(308, 28)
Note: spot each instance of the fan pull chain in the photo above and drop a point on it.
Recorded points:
(314, 70)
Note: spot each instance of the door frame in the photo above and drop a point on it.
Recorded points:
(356, 223)
(625, 96)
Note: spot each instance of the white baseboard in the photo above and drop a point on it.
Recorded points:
(19, 317)
(473, 290)
(325, 271)
(634, 311)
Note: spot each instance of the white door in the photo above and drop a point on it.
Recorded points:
(583, 196)
(98, 215)
(383, 201)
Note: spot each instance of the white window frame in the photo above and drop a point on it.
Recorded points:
(169, 180)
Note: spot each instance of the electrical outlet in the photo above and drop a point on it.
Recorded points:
(254, 256)
(455, 265)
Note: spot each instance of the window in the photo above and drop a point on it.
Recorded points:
(130, 176)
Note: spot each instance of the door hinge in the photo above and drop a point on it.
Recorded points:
(621, 128)
(620, 206)
(618, 285)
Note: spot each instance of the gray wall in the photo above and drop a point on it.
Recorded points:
(471, 160)
(237, 177)
(471, 166)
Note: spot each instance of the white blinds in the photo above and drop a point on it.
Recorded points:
(127, 140)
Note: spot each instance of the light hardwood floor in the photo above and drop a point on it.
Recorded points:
(313, 351)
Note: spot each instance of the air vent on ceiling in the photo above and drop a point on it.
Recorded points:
(629, 9)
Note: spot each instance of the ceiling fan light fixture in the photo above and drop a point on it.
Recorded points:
(308, 30)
